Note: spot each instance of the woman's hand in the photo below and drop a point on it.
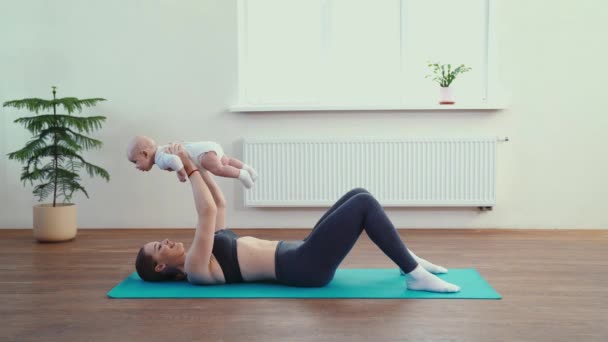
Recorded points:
(178, 150)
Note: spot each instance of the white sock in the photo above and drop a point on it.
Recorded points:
(421, 280)
(252, 172)
(245, 178)
(427, 265)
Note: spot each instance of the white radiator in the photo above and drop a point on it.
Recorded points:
(399, 172)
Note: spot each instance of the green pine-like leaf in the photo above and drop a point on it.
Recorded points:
(43, 190)
(82, 124)
(51, 151)
(36, 105)
(32, 104)
(57, 140)
(62, 173)
(84, 141)
(69, 187)
(28, 151)
(36, 174)
(35, 124)
(94, 170)
(72, 104)
(60, 136)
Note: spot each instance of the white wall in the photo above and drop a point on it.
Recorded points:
(168, 69)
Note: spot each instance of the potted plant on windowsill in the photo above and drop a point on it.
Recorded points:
(445, 75)
(52, 159)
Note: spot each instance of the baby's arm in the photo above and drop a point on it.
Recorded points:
(181, 175)
(171, 162)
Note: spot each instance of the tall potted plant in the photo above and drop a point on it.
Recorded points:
(53, 161)
(445, 75)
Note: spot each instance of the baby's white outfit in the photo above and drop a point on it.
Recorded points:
(167, 161)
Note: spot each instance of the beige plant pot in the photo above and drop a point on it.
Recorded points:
(54, 224)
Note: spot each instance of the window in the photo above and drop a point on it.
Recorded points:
(361, 53)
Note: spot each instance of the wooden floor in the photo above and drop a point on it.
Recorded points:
(554, 285)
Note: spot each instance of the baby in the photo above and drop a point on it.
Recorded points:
(144, 153)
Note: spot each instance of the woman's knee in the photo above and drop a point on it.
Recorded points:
(357, 191)
(352, 193)
(366, 199)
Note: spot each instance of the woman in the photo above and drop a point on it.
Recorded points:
(218, 256)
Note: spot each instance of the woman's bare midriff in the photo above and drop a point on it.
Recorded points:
(256, 258)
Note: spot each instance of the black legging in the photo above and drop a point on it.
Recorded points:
(313, 261)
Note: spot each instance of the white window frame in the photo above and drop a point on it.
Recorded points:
(492, 99)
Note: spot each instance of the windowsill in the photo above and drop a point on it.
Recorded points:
(322, 108)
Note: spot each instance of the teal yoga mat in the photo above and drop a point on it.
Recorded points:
(347, 283)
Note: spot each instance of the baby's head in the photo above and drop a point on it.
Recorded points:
(141, 152)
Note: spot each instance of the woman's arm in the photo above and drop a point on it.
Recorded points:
(216, 192)
(199, 255)
(218, 197)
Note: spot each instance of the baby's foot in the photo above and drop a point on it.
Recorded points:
(245, 178)
(252, 172)
(421, 280)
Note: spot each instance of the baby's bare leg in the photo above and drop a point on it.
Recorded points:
(215, 165)
(232, 162)
(226, 160)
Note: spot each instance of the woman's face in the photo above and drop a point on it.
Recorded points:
(166, 252)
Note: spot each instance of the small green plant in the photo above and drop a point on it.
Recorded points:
(52, 157)
(443, 73)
